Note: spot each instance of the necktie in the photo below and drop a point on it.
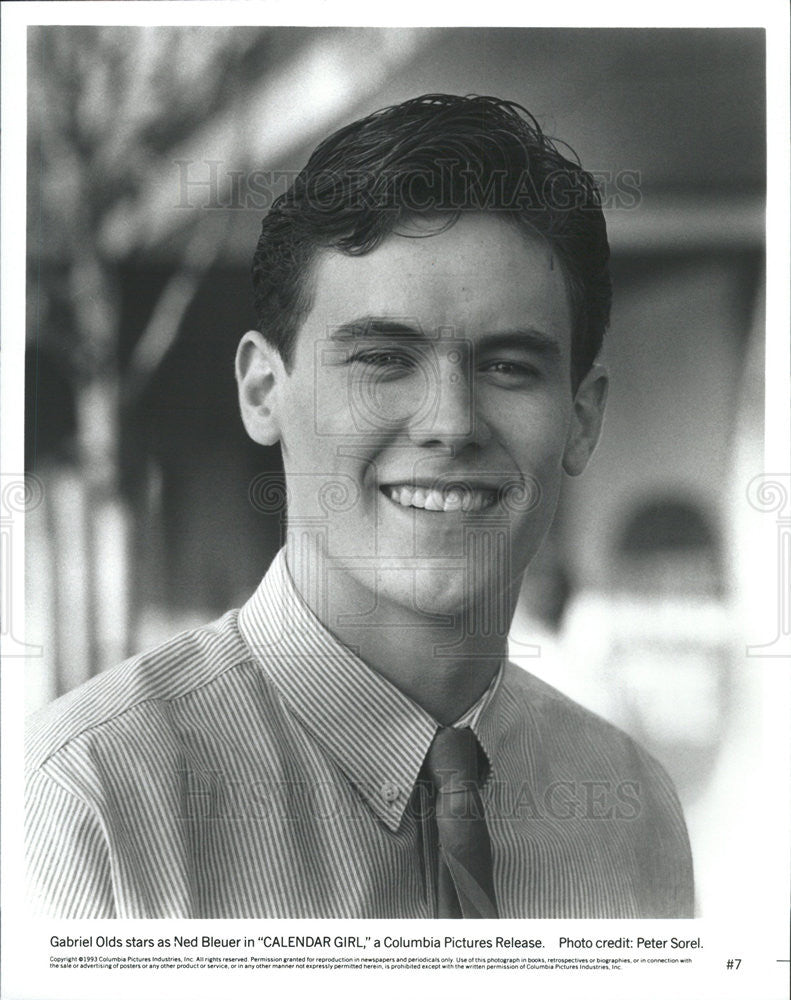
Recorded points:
(465, 887)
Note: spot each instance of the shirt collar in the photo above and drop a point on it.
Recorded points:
(484, 717)
(378, 736)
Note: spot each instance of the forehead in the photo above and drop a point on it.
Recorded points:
(480, 275)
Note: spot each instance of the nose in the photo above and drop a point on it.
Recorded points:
(451, 418)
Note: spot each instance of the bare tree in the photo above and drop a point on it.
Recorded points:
(105, 106)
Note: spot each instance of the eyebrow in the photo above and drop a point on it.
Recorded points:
(387, 327)
(535, 340)
(376, 326)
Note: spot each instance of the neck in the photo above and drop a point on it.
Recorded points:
(444, 662)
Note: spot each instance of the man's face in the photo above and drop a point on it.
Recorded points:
(426, 415)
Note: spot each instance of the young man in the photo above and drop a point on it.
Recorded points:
(432, 294)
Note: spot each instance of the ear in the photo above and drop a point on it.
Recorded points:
(259, 374)
(586, 420)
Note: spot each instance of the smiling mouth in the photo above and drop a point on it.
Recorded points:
(454, 498)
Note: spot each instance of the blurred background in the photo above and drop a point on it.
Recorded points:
(153, 155)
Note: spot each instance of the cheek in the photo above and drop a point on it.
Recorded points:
(327, 462)
(537, 453)
(534, 434)
(342, 408)
(314, 418)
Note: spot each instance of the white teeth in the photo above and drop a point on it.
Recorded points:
(434, 500)
(455, 498)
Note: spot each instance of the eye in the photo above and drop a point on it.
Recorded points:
(385, 362)
(510, 374)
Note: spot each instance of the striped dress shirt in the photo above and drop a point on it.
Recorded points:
(257, 768)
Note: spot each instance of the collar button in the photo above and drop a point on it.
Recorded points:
(390, 792)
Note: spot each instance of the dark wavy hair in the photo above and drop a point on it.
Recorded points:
(444, 154)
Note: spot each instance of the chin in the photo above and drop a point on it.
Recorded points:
(482, 603)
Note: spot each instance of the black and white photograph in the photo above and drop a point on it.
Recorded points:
(396, 525)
